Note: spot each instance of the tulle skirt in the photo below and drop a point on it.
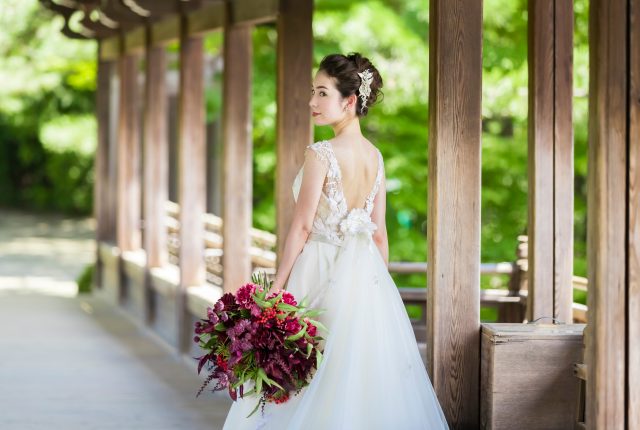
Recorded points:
(372, 376)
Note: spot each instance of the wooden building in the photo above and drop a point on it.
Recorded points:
(132, 181)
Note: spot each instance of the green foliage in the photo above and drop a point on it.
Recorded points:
(47, 131)
(85, 280)
(47, 127)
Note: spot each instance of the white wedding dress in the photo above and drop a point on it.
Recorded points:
(372, 376)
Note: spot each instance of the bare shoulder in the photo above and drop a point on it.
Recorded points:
(345, 147)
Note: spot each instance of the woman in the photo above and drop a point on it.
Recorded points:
(336, 254)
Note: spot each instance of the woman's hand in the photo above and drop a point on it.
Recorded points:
(277, 284)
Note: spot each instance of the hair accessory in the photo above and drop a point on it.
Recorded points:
(365, 86)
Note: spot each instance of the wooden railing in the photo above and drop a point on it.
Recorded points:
(263, 256)
(510, 303)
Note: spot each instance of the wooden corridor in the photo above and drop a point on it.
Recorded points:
(71, 362)
(132, 257)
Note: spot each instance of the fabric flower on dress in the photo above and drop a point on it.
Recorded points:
(358, 221)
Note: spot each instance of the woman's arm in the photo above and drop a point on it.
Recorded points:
(378, 216)
(315, 171)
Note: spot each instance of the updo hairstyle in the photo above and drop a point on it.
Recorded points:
(345, 69)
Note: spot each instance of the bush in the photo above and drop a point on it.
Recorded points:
(85, 280)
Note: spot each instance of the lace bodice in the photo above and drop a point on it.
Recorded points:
(333, 219)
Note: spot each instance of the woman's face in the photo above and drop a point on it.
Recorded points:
(327, 104)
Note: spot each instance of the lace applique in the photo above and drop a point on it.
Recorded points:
(333, 220)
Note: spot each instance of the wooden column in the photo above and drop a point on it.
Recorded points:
(191, 172)
(101, 182)
(128, 224)
(633, 253)
(550, 160)
(156, 157)
(607, 214)
(294, 131)
(453, 274)
(238, 143)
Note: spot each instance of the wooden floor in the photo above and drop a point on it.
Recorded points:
(71, 362)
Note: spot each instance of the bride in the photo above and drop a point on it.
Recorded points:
(336, 254)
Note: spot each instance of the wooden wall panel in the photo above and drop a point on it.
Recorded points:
(294, 131)
(238, 156)
(453, 274)
(606, 215)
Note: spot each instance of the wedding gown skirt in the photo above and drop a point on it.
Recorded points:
(372, 376)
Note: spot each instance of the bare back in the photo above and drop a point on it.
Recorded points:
(358, 163)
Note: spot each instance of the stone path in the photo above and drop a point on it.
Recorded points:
(70, 362)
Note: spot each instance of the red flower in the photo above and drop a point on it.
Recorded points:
(222, 363)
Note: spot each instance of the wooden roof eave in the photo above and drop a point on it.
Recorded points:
(121, 25)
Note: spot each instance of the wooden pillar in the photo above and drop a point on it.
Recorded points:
(633, 253)
(453, 274)
(111, 193)
(294, 131)
(607, 213)
(550, 160)
(156, 157)
(128, 224)
(238, 143)
(191, 172)
(101, 182)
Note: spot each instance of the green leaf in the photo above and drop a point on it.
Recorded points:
(318, 358)
(298, 335)
(262, 303)
(220, 327)
(258, 387)
(313, 313)
(304, 302)
(286, 307)
(319, 325)
(255, 409)
(309, 349)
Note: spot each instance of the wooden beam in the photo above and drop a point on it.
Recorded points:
(633, 253)
(128, 224)
(253, 12)
(110, 48)
(453, 276)
(293, 128)
(135, 40)
(238, 153)
(165, 31)
(550, 160)
(101, 182)
(207, 19)
(156, 157)
(606, 215)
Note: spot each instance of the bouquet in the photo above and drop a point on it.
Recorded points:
(262, 337)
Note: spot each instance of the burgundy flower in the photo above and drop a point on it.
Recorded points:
(288, 298)
(292, 326)
(311, 329)
(243, 296)
(255, 341)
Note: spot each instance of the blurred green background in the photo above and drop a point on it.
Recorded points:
(48, 129)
